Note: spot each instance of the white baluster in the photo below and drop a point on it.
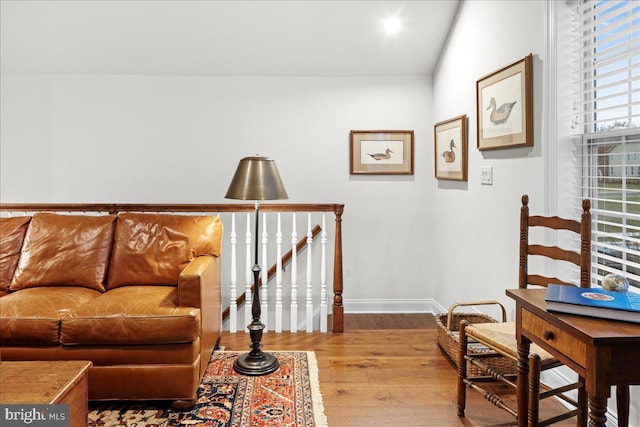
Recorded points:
(309, 276)
(248, 276)
(323, 278)
(279, 277)
(233, 307)
(294, 277)
(264, 302)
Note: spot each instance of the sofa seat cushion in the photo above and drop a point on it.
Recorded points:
(132, 315)
(32, 316)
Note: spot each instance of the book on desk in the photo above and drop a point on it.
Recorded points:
(594, 302)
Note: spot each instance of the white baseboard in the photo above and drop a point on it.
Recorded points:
(362, 306)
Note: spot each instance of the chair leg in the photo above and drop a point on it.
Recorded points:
(583, 405)
(462, 369)
(534, 390)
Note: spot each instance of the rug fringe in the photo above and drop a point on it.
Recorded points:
(316, 394)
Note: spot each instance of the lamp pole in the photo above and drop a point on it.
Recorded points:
(256, 362)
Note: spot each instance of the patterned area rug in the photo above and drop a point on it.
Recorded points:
(286, 398)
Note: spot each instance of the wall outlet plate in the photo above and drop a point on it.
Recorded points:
(486, 175)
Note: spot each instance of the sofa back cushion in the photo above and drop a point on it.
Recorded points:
(71, 250)
(12, 231)
(152, 249)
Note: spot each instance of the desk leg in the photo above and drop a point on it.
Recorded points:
(622, 400)
(597, 411)
(522, 383)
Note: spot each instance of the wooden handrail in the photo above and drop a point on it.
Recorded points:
(162, 207)
(113, 208)
(286, 259)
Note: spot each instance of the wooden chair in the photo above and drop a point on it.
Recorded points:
(501, 338)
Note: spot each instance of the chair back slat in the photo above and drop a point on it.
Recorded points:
(555, 223)
(555, 253)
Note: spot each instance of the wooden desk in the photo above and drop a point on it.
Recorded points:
(603, 352)
(40, 382)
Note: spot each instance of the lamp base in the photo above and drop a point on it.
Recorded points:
(256, 364)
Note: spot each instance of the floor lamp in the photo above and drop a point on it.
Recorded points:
(256, 178)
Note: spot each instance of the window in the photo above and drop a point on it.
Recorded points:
(608, 119)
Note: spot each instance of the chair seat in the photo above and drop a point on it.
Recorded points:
(502, 335)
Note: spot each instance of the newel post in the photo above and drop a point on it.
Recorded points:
(338, 308)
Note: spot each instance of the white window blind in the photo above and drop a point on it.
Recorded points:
(608, 120)
(608, 49)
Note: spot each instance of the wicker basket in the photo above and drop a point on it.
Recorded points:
(448, 325)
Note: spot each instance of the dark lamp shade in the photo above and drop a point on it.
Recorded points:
(256, 178)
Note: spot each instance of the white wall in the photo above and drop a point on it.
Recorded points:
(109, 138)
(478, 226)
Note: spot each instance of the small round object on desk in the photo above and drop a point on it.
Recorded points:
(615, 282)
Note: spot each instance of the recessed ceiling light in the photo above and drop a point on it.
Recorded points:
(391, 25)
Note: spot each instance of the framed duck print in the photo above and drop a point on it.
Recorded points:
(504, 103)
(381, 152)
(450, 146)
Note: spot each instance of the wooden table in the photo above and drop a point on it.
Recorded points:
(42, 382)
(603, 352)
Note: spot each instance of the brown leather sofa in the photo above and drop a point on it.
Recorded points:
(137, 294)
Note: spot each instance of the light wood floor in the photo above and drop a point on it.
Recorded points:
(386, 371)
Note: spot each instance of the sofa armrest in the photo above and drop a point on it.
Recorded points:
(198, 281)
(199, 286)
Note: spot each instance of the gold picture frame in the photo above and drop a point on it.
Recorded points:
(381, 152)
(450, 149)
(504, 106)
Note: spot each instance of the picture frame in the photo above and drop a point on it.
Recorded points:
(504, 106)
(450, 149)
(381, 152)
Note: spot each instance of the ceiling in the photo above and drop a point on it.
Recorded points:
(246, 38)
